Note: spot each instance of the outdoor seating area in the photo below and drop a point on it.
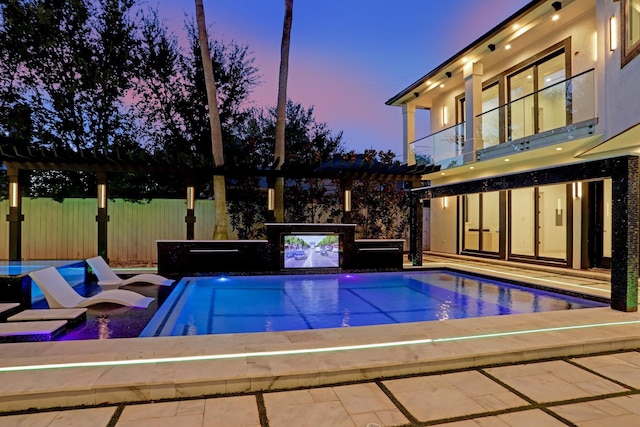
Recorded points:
(60, 294)
(58, 306)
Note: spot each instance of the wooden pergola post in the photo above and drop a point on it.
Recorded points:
(346, 186)
(271, 199)
(102, 218)
(190, 219)
(15, 216)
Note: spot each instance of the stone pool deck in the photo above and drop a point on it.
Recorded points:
(560, 368)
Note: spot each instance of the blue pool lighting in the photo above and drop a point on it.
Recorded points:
(208, 305)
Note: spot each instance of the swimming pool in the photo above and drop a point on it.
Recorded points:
(14, 273)
(219, 305)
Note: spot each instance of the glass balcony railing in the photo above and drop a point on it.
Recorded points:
(441, 148)
(556, 106)
(560, 107)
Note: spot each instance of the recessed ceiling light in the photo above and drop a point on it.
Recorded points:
(428, 82)
(441, 173)
(442, 85)
(516, 26)
(506, 160)
(555, 17)
(471, 167)
(508, 47)
(558, 148)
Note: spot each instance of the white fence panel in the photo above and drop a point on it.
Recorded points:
(53, 230)
(68, 230)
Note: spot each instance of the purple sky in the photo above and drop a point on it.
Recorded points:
(348, 56)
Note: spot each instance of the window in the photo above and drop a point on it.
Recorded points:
(537, 97)
(630, 30)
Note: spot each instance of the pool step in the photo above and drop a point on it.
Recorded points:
(73, 316)
(45, 330)
(8, 308)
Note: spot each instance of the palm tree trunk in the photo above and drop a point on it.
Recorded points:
(220, 231)
(279, 151)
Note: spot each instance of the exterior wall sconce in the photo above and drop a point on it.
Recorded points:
(576, 190)
(191, 199)
(444, 116)
(556, 6)
(445, 203)
(13, 194)
(613, 33)
(102, 196)
(271, 199)
(347, 200)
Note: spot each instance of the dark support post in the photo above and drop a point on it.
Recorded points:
(271, 200)
(102, 218)
(415, 229)
(624, 245)
(190, 219)
(15, 216)
(346, 185)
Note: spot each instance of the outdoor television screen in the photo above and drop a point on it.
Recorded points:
(311, 251)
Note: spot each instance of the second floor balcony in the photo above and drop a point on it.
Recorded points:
(558, 113)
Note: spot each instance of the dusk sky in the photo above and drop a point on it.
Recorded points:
(348, 56)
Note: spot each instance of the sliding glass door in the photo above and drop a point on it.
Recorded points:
(538, 218)
(481, 222)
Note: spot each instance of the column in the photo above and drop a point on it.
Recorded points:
(271, 199)
(408, 133)
(472, 73)
(15, 216)
(190, 218)
(415, 229)
(345, 186)
(102, 218)
(624, 247)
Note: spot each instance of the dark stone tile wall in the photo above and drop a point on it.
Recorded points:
(624, 257)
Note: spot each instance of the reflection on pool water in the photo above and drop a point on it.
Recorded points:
(219, 305)
(19, 269)
(72, 271)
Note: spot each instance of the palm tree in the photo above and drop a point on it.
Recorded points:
(279, 151)
(219, 190)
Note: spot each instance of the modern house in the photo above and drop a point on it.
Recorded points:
(535, 137)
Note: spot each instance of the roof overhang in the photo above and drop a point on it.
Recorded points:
(526, 18)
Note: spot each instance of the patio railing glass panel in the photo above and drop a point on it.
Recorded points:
(441, 148)
(565, 103)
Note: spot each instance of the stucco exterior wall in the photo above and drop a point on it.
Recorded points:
(620, 94)
(443, 225)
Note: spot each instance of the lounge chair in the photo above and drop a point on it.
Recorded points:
(108, 279)
(60, 294)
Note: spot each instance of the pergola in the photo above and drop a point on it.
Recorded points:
(345, 168)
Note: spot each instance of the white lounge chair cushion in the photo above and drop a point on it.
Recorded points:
(108, 279)
(59, 293)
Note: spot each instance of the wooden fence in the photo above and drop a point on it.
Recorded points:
(68, 230)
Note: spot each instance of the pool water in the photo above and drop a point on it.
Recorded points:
(219, 305)
(72, 271)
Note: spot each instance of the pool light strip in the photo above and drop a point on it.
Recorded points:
(210, 357)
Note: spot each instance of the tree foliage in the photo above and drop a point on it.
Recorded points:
(380, 208)
(110, 76)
